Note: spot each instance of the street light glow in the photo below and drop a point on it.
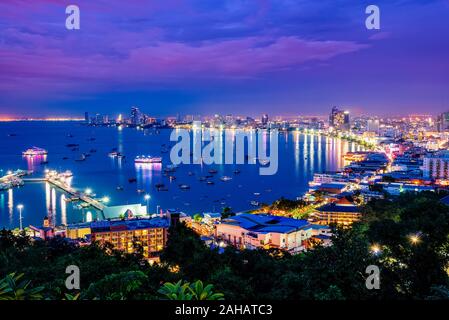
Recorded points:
(147, 197)
(106, 199)
(375, 249)
(20, 206)
(88, 191)
(414, 238)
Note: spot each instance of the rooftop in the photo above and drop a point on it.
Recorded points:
(264, 223)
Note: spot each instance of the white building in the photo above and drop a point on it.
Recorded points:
(436, 165)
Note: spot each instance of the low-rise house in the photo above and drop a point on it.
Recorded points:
(252, 231)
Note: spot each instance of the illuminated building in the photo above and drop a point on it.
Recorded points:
(127, 234)
(339, 119)
(342, 212)
(436, 165)
(253, 231)
(443, 122)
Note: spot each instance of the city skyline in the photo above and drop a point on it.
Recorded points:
(192, 57)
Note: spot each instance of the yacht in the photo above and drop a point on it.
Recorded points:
(35, 151)
(144, 159)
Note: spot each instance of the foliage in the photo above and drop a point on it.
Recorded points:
(183, 290)
(13, 288)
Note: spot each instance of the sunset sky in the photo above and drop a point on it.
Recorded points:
(245, 57)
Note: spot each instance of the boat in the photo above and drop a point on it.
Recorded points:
(210, 182)
(236, 171)
(225, 178)
(119, 188)
(35, 151)
(255, 203)
(81, 158)
(172, 178)
(184, 186)
(140, 190)
(212, 171)
(113, 154)
(148, 159)
(256, 193)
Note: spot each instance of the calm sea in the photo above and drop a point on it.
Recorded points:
(299, 157)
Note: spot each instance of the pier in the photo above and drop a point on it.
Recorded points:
(58, 180)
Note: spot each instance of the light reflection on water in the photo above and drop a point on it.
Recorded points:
(300, 155)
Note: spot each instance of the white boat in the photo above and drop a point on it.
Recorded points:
(35, 151)
(225, 178)
(144, 159)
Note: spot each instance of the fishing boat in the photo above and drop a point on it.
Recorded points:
(225, 178)
(35, 151)
(147, 159)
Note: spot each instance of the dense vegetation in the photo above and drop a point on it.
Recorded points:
(407, 238)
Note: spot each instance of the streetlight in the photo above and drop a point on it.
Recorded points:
(105, 199)
(375, 249)
(147, 199)
(88, 191)
(414, 238)
(20, 207)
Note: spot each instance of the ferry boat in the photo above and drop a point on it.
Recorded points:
(35, 151)
(143, 159)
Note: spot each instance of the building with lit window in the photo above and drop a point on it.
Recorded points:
(127, 234)
(436, 165)
(251, 231)
(339, 119)
(342, 212)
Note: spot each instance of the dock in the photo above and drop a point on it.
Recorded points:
(58, 180)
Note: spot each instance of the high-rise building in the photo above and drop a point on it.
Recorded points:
(339, 119)
(264, 119)
(373, 125)
(136, 116)
(436, 165)
(443, 122)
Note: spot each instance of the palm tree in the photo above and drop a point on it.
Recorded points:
(11, 288)
(183, 290)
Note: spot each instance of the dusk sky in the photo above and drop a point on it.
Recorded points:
(244, 57)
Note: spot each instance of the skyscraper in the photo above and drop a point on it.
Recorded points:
(339, 119)
(136, 116)
(443, 122)
(264, 119)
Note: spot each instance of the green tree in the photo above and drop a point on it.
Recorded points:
(13, 288)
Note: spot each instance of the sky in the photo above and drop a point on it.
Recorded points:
(241, 57)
